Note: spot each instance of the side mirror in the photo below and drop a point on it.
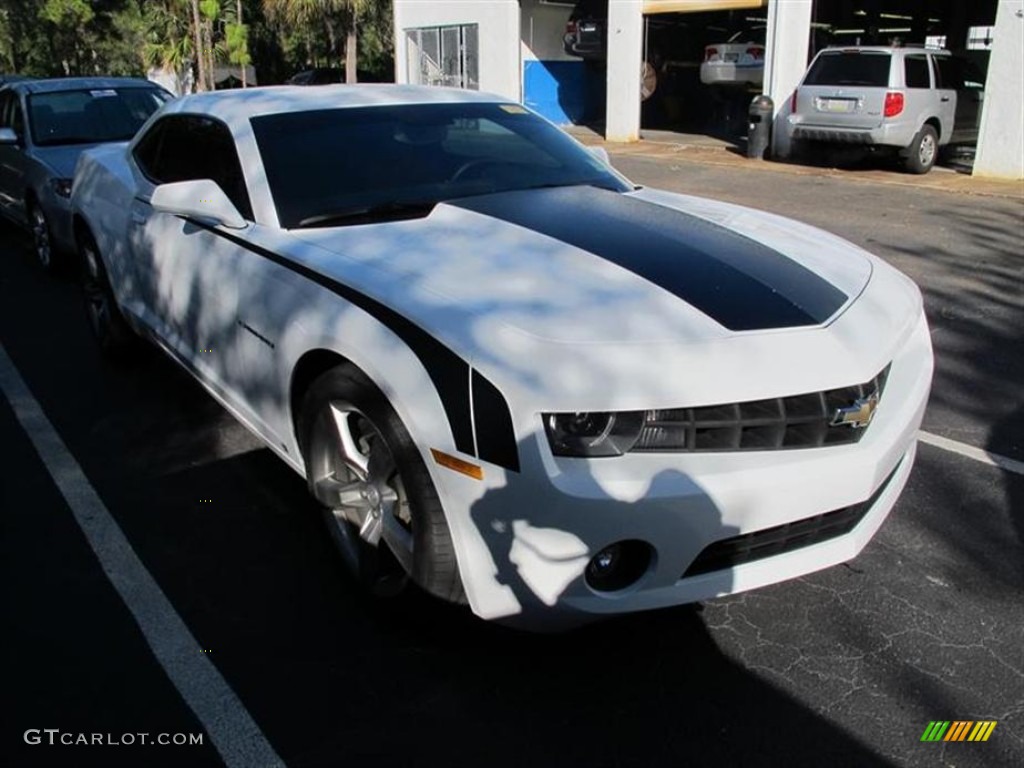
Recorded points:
(200, 199)
(601, 154)
(8, 137)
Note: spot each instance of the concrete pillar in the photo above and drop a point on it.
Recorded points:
(788, 42)
(625, 59)
(1001, 136)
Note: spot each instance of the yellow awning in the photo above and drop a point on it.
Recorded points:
(692, 6)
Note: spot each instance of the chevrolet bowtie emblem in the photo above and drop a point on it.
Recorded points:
(859, 414)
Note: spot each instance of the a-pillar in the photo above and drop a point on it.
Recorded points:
(625, 59)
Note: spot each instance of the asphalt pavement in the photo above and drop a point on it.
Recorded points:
(844, 667)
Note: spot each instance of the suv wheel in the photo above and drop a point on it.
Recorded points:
(923, 151)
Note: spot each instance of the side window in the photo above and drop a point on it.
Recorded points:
(916, 70)
(5, 110)
(949, 72)
(147, 150)
(188, 147)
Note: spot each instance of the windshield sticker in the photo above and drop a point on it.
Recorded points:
(103, 94)
(513, 109)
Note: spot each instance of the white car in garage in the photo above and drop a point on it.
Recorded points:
(507, 374)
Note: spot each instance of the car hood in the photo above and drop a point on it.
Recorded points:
(588, 265)
(587, 299)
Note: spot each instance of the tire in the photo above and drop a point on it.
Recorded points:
(42, 239)
(923, 151)
(113, 335)
(374, 490)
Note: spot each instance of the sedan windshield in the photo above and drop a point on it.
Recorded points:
(341, 166)
(91, 116)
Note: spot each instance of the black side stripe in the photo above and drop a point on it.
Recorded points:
(449, 372)
(738, 282)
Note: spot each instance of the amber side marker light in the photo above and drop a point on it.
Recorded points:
(458, 465)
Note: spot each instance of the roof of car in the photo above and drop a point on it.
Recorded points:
(241, 104)
(56, 84)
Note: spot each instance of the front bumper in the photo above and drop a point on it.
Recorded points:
(524, 546)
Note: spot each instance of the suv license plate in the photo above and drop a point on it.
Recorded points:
(839, 105)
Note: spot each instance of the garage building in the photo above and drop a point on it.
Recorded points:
(646, 73)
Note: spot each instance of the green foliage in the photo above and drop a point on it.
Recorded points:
(67, 14)
(127, 37)
(236, 37)
(210, 9)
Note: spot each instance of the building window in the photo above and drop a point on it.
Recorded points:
(444, 56)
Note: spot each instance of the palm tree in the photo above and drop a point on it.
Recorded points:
(197, 33)
(334, 15)
(168, 37)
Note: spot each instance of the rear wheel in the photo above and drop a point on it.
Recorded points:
(376, 494)
(113, 335)
(923, 151)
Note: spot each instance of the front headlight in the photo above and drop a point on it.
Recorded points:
(61, 187)
(593, 434)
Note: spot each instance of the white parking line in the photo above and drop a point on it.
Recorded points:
(232, 730)
(985, 457)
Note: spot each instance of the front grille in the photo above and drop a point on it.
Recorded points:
(748, 547)
(800, 421)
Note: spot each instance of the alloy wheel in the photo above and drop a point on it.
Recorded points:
(926, 151)
(357, 480)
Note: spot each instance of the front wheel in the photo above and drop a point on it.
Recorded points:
(375, 492)
(923, 151)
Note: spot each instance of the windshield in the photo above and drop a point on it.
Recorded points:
(91, 116)
(322, 165)
(869, 68)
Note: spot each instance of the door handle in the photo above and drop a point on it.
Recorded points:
(944, 98)
(138, 219)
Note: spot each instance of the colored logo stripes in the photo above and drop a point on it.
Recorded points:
(958, 730)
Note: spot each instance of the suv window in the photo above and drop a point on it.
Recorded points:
(850, 68)
(190, 147)
(915, 69)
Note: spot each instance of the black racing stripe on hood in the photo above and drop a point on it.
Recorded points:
(738, 282)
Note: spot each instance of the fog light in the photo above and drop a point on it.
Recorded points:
(618, 565)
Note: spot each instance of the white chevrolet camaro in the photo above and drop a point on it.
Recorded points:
(507, 374)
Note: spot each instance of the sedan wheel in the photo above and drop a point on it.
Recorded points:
(41, 243)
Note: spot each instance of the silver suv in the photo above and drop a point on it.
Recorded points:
(914, 99)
